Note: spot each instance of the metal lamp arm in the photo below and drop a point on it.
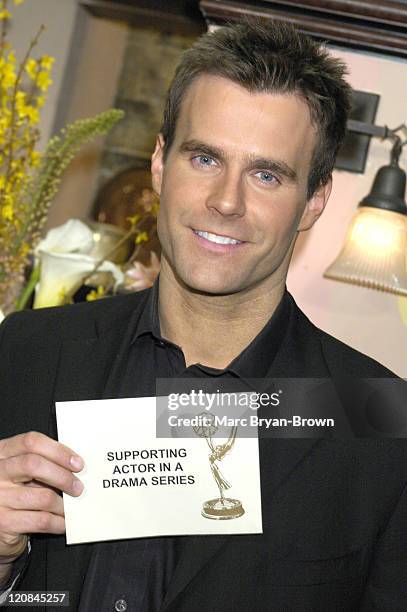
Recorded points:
(379, 131)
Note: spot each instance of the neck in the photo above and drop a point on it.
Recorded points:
(213, 329)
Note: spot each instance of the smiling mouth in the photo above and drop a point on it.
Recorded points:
(216, 238)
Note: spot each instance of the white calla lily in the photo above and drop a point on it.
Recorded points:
(65, 263)
(74, 236)
(63, 273)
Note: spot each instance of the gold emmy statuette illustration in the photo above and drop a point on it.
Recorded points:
(220, 508)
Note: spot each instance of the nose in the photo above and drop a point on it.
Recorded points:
(226, 195)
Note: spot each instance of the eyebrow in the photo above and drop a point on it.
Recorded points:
(265, 163)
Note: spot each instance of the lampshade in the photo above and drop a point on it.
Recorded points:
(375, 251)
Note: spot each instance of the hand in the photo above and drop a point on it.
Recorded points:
(33, 470)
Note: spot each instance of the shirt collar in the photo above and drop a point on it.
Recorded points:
(254, 361)
(149, 322)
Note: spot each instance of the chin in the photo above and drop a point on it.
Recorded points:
(211, 284)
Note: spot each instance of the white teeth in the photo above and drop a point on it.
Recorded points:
(216, 238)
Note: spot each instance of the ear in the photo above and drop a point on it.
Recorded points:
(315, 206)
(157, 164)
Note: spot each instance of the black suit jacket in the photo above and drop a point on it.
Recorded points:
(334, 511)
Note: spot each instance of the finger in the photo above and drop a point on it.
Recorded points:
(28, 467)
(34, 483)
(30, 521)
(15, 546)
(40, 444)
(31, 498)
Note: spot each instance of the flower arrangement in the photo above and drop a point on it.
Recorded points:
(66, 260)
(29, 179)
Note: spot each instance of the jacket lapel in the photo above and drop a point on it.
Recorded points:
(278, 459)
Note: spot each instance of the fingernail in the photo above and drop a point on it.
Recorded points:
(76, 462)
(77, 486)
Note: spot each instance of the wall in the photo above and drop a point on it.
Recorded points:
(88, 58)
(129, 68)
(368, 320)
(149, 62)
(59, 18)
(89, 88)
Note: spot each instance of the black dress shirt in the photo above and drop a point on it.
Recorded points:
(133, 575)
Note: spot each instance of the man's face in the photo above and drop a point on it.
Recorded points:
(233, 188)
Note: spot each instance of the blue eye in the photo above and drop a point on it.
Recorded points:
(267, 177)
(205, 160)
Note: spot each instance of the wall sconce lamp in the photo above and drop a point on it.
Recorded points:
(375, 251)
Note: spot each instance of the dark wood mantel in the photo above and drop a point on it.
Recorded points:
(374, 25)
(175, 15)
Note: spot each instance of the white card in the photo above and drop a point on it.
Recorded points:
(137, 485)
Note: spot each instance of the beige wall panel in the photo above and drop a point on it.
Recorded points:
(94, 81)
(58, 16)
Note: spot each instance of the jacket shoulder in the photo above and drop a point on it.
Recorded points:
(341, 358)
(351, 361)
(71, 319)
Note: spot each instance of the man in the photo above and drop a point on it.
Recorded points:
(252, 124)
